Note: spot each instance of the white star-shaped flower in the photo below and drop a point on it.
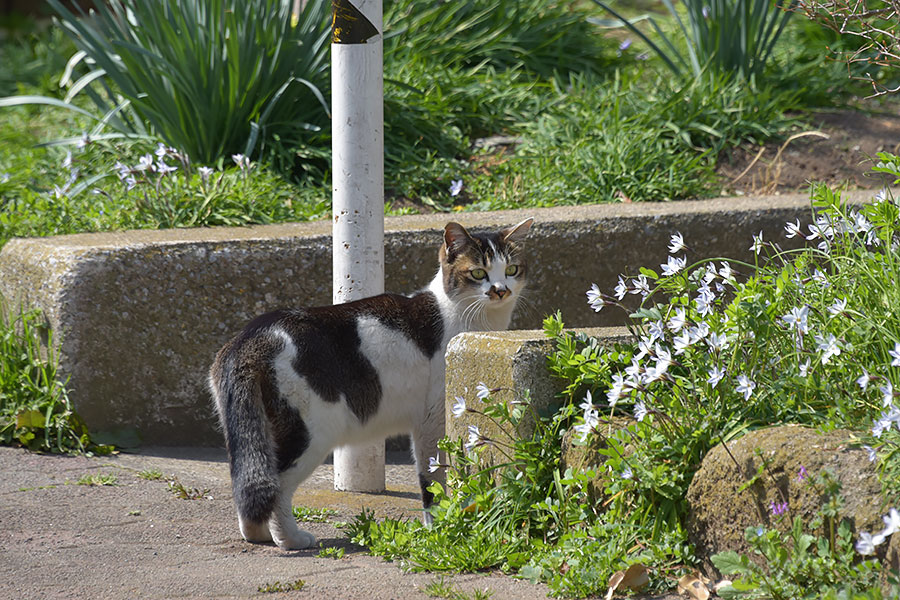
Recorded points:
(745, 386)
(895, 354)
(676, 243)
(673, 265)
(715, 375)
(459, 407)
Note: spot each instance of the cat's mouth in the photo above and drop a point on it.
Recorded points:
(498, 294)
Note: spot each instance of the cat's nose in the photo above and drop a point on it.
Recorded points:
(500, 291)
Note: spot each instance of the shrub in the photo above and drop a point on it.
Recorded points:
(722, 37)
(211, 78)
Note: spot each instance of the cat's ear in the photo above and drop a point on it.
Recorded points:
(518, 232)
(456, 238)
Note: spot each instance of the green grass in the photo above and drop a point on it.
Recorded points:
(98, 479)
(151, 475)
(34, 407)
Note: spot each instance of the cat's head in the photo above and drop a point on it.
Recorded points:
(487, 269)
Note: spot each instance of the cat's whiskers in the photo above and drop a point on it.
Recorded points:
(525, 303)
(474, 308)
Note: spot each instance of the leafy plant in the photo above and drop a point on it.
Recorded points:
(179, 490)
(31, 59)
(34, 408)
(802, 563)
(98, 479)
(151, 475)
(441, 589)
(313, 515)
(722, 37)
(542, 36)
(334, 552)
(281, 587)
(509, 504)
(210, 78)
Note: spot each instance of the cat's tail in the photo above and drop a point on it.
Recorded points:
(254, 473)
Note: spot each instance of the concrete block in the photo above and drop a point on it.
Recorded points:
(515, 364)
(139, 315)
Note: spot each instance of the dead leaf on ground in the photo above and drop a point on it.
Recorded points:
(694, 585)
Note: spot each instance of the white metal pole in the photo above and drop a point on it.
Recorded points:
(358, 196)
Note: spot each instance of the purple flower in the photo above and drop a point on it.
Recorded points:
(625, 45)
(456, 187)
(802, 474)
(779, 509)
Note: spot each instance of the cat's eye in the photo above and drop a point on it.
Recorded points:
(478, 274)
(512, 270)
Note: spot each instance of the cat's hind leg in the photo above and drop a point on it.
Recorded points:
(282, 524)
(257, 533)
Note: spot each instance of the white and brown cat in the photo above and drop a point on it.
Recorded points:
(295, 384)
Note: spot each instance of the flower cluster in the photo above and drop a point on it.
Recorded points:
(710, 322)
(476, 439)
(150, 163)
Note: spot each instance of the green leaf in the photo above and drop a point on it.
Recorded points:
(30, 419)
(730, 562)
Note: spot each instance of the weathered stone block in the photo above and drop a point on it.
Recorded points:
(139, 315)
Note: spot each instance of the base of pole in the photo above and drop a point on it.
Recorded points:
(359, 468)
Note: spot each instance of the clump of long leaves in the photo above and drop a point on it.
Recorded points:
(34, 408)
(720, 37)
(541, 36)
(209, 77)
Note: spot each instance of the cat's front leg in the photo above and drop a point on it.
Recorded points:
(425, 438)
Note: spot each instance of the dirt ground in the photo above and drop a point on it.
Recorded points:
(135, 538)
(844, 156)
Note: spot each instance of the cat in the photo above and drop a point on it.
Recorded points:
(295, 384)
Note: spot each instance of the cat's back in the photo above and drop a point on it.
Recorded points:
(323, 335)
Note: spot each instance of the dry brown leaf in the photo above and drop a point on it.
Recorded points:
(636, 576)
(694, 586)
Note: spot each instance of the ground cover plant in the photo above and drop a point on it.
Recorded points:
(805, 336)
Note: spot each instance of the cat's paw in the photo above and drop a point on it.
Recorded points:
(296, 540)
(256, 533)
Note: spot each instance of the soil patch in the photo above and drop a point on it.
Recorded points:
(839, 149)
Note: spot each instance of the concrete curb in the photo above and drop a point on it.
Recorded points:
(138, 316)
